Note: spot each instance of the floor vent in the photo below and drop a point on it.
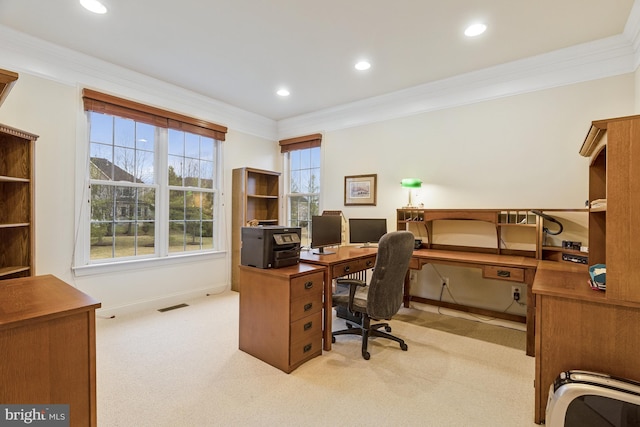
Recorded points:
(173, 307)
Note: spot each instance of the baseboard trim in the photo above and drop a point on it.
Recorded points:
(159, 302)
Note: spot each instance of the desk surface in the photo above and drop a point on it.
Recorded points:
(478, 258)
(342, 253)
(39, 298)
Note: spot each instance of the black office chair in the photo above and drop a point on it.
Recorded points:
(382, 298)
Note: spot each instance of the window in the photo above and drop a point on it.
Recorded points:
(302, 166)
(153, 181)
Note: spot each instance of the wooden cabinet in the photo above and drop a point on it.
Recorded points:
(48, 346)
(577, 327)
(256, 197)
(16, 203)
(281, 314)
(613, 147)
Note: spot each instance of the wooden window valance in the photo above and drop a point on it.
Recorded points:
(108, 104)
(300, 143)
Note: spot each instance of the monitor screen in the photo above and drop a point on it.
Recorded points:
(367, 230)
(326, 230)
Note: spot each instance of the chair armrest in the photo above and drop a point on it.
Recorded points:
(350, 282)
(354, 284)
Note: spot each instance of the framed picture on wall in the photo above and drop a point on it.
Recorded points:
(360, 190)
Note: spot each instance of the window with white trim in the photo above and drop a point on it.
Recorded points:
(153, 179)
(302, 165)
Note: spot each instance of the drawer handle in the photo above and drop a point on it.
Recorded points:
(308, 285)
(346, 269)
(308, 326)
(369, 263)
(307, 348)
(307, 307)
(504, 273)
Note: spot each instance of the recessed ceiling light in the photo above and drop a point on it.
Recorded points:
(283, 92)
(363, 65)
(475, 30)
(93, 6)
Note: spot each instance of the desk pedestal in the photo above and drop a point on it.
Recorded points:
(281, 314)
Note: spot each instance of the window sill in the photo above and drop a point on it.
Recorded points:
(139, 264)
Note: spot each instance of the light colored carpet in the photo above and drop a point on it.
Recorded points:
(183, 368)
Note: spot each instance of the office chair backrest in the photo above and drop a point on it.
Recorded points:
(387, 281)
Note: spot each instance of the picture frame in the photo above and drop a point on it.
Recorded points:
(360, 190)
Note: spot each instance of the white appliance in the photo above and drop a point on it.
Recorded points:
(590, 399)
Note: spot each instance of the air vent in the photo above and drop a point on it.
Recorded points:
(173, 307)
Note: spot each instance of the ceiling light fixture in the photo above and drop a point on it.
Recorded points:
(283, 92)
(363, 65)
(475, 30)
(93, 6)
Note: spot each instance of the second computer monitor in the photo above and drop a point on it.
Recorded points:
(367, 230)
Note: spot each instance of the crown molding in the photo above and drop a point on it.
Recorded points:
(589, 61)
(26, 54)
(632, 31)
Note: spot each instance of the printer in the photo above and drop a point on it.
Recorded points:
(270, 246)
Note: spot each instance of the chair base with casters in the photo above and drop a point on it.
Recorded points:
(367, 330)
(382, 297)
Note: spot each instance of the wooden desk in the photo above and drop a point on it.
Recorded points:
(502, 267)
(579, 328)
(345, 260)
(48, 346)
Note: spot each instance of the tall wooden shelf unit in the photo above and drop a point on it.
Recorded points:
(256, 197)
(613, 147)
(576, 327)
(16, 203)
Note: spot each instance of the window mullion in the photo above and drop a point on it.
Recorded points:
(162, 195)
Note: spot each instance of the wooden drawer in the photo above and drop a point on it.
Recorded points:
(307, 326)
(305, 349)
(305, 306)
(354, 266)
(307, 285)
(503, 273)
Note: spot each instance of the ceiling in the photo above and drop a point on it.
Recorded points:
(241, 52)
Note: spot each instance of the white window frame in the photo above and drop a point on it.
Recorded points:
(287, 188)
(83, 265)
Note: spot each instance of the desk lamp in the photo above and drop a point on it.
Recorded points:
(410, 183)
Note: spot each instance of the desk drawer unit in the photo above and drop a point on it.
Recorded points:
(281, 314)
(353, 266)
(512, 274)
(306, 318)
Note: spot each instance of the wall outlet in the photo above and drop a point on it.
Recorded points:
(412, 276)
(515, 293)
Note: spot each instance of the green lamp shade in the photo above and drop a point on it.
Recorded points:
(411, 183)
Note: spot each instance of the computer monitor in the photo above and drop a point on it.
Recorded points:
(367, 230)
(326, 230)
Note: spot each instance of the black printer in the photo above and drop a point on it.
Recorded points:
(270, 246)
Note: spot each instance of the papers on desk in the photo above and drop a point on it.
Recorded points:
(598, 274)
